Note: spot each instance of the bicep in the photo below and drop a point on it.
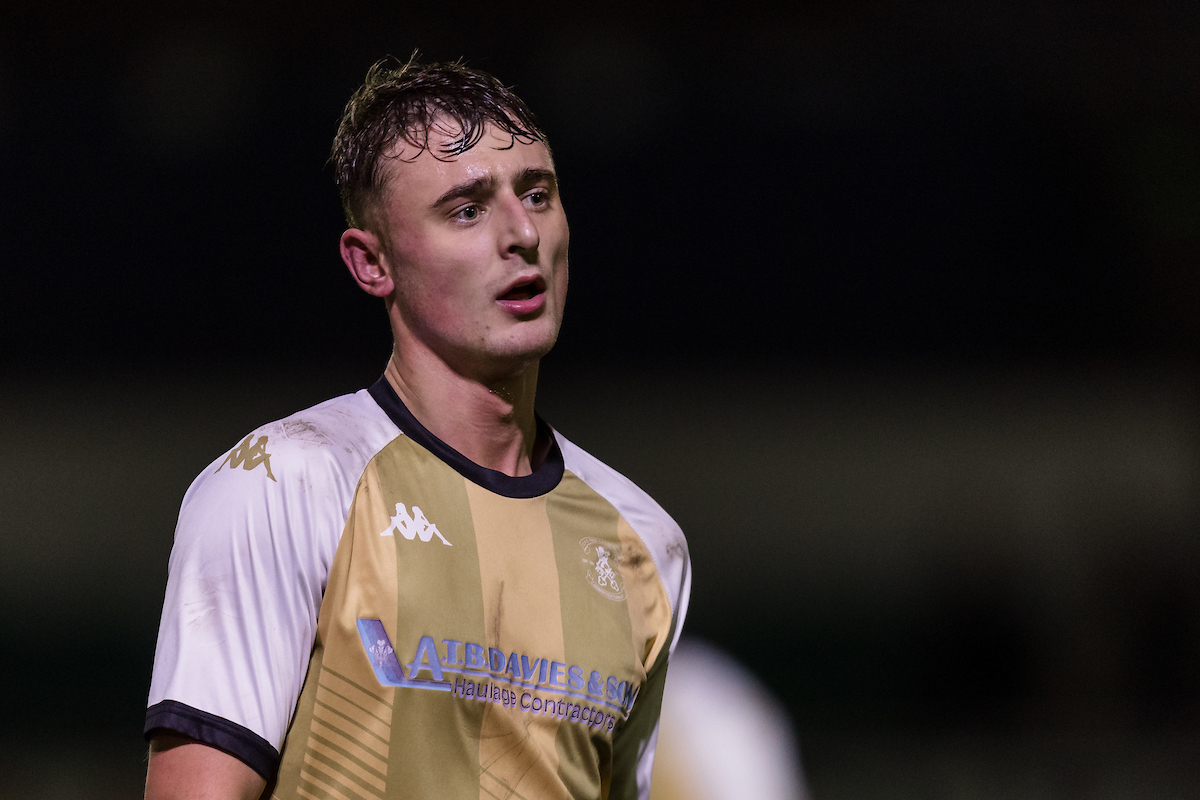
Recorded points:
(183, 769)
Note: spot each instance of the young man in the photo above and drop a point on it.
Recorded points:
(421, 590)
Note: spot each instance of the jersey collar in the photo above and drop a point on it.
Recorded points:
(544, 478)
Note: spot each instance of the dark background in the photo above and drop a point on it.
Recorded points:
(895, 307)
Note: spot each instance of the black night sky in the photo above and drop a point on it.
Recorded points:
(895, 307)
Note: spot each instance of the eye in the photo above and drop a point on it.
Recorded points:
(467, 213)
(538, 198)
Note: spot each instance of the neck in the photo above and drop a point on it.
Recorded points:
(490, 423)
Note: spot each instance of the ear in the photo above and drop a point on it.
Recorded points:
(366, 259)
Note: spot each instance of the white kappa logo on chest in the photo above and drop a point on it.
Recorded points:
(600, 556)
(412, 526)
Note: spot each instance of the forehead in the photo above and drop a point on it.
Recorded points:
(423, 173)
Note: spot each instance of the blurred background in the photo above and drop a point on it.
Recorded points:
(895, 307)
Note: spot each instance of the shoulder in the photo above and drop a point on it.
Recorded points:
(299, 472)
(346, 432)
(256, 537)
(653, 525)
(326, 444)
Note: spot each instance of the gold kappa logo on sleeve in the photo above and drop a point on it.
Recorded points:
(248, 456)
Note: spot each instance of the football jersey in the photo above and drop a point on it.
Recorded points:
(357, 610)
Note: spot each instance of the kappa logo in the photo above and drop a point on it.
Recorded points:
(248, 456)
(413, 526)
(601, 575)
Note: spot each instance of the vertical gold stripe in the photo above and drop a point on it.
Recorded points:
(650, 620)
(372, 592)
(522, 614)
(434, 734)
(596, 627)
(649, 608)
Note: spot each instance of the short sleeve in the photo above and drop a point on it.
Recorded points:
(256, 536)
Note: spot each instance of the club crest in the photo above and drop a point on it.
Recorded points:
(380, 651)
(601, 556)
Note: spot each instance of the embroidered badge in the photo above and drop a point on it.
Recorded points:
(600, 556)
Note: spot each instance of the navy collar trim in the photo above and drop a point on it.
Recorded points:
(544, 478)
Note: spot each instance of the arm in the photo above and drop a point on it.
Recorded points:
(183, 769)
(239, 614)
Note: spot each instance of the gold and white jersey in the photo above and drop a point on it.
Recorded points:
(356, 610)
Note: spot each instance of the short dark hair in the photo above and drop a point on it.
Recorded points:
(405, 102)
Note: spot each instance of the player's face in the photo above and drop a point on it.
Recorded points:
(478, 249)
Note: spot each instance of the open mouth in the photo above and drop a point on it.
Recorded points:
(525, 291)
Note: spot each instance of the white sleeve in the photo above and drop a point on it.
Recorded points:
(256, 536)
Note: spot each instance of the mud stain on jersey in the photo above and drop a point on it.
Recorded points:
(499, 617)
(303, 430)
(677, 550)
(634, 558)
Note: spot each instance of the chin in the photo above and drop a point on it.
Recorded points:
(529, 340)
(515, 356)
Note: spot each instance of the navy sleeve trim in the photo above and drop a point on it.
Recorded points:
(239, 742)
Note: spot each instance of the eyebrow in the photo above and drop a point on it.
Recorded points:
(537, 175)
(471, 188)
(478, 186)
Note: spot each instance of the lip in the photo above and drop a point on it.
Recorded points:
(526, 305)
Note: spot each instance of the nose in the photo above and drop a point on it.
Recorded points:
(521, 233)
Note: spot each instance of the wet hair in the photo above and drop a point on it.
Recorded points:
(406, 102)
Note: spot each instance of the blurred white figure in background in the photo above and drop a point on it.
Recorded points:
(722, 736)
